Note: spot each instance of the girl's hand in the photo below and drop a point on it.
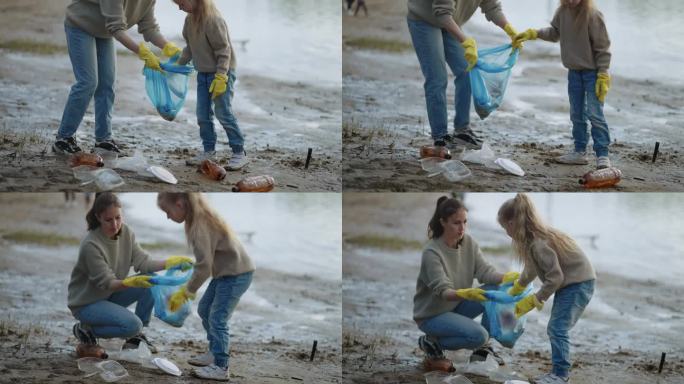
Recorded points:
(516, 289)
(512, 33)
(530, 34)
(527, 304)
(219, 85)
(510, 277)
(171, 50)
(179, 298)
(602, 86)
(137, 282)
(472, 294)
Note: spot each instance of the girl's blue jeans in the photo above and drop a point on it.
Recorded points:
(94, 63)
(436, 49)
(568, 305)
(110, 318)
(215, 309)
(224, 113)
(585, 105)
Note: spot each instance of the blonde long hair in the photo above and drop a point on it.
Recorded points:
(201, 11)
(199, 215)
(583, 11)
(528, 226)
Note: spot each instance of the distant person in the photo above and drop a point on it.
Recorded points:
(361, 4)
(69, 198)
(445, 302)
(211, 51)
(563, 269)
(90, 27)
(221, 257)
(585, 52)
(435, 27)
(99, 290)
(350, 3)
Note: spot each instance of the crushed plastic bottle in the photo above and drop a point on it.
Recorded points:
(91, 350)
(255, 184)
(212, 170)
(435, 151)
(601, 178)
(82, 158)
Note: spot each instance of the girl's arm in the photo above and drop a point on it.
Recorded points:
(552, 276)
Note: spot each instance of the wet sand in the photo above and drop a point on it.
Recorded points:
(280, 120)
(272, 329)
(619, 338)
(385, 119)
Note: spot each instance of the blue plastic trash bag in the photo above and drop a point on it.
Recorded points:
(500, 309)
(489, 77)
(164, 286)
(167, 90)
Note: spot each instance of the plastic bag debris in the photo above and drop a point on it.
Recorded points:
(137, 163)
(165, 286)
(438, 377)
(489, 77)
(167, 90)
(500, 309)
(484, 156)
(138, 355)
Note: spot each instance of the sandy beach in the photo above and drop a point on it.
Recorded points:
(281, 120)
(385, 119)
(272, 329)
(619, 339)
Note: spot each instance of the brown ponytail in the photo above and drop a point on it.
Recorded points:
(102, 202)
(444, 209)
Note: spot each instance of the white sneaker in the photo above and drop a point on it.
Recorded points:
(212, 372)
(549, 378)
(602, 162)
(237, 161)
(575, 158)
(202, 360)
(197, 160)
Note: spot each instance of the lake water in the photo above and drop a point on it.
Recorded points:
(296, 40)
(297, 233)
(647, 36)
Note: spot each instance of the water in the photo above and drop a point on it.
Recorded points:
(646, 36)
(638, 235)
(296, 233)
(294, 40)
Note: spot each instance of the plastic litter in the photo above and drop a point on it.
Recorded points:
(138, 355)
(601, 178)
(137, 163)
(489, 77)
(162, 174)
(167, 90)
(516, 382)
(432, 165)
(212, 170)
(433, 151)
(89, 365)
(111, 371)
(107, 179)
(510, 166)
(478, 368)
(506, 374)
(500, 310)
(437, 377)
(82, 158)
(165, 286)
(167, 366)
(484, 156)
(455, 171)
(263, 183)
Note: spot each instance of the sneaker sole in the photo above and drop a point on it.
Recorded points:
(229, 168)
(194, 373)
(572, 162)
(466, 144)
(198, 363)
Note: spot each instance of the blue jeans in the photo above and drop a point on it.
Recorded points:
(215, 309)
(456, 329)
(436, 49)
(568, 306)
(584, 105)
(110, 318)
(94, 63)
(224, 114)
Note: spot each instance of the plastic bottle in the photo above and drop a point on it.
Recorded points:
(601, 178)
(444, 365)
(255, 184)
(91, 350)
(213, 170)
(82, 158)
(435, 151)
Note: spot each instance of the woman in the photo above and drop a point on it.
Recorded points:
(435, 27)
(90, 26)
(99, 291)
(445, 303)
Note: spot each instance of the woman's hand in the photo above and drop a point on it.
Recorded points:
(527, 304)
(470, 54)
(530, 34)
(150, 59)
(472, 294)
(512, 33)
(179, 298)
(170, 49)
(137, 282)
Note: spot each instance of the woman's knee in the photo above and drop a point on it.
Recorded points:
(131, 327)
(480, 337)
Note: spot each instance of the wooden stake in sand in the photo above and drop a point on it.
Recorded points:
(662, 358)
(308, 159)
(655, 152)
(313, 350)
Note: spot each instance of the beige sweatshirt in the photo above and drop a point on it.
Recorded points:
(217, 256)
(555, 272)
(101, 260)
(208, 47)
(103, 18)
(438, 12)
(585, 45)
(443, 267)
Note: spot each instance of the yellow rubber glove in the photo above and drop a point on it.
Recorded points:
(527, 304)
(137, 282)
(530, 34)
(184, 261)
(602, 86)
(150, 59)
(470, 47)
(512, 33)
(179, 298)
(171, 50)
(219, 85)
(516, 289)
(510, 277)
(472, 294)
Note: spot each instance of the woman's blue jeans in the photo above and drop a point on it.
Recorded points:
(110, 318)
(436, 49)
(456, 329)
(568, 306)
(94, 64)
(585, 105)
(215, 309)
(224, 114)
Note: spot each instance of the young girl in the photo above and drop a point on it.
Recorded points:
(562, 268)
(585, 51)
(209, 47)
(219, 255)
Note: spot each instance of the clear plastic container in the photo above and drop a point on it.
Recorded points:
(107, 179)
(432, 165)
(455, 171)
(111, 371)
